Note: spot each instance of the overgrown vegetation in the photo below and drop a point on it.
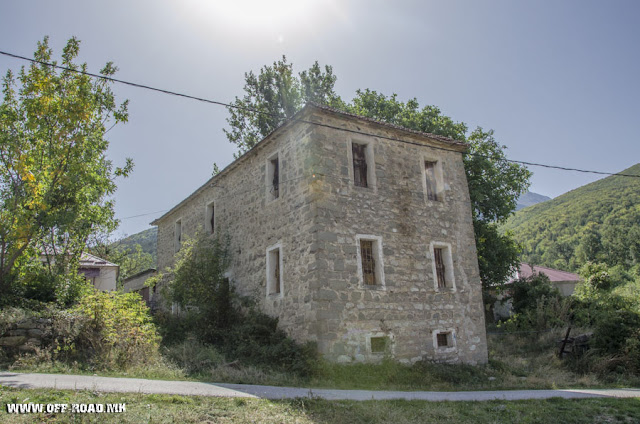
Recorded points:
(605, 304)
(216, 317)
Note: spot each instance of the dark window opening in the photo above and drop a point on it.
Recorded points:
(359, 164)
(275, 182)
(440, 270)
(276, 271)
(442, 339)
(368, 262)
(379, 344)
(213, 218)
(430, 172)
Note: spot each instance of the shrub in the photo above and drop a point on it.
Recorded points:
(117, 332)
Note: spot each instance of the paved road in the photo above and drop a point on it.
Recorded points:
(190, 388)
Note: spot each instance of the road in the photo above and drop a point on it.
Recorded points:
(190, 388)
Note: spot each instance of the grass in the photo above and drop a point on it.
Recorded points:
(193, 409)
(516, 362)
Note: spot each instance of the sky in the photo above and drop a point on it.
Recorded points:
(558, 81)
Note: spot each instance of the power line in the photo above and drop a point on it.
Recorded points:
(228, 105)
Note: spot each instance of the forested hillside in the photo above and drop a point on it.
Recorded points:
(597, 222)
(146, 239)
(529, 199)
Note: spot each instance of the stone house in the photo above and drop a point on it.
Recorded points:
(356, 234)
(137, 283)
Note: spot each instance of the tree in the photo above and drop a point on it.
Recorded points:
(274, 96)
(55, 178)
(494, 183)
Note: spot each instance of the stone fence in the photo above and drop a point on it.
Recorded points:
(27, 334)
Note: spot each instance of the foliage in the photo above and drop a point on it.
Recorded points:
(118, 331)
(272, 97)
(216, 316)
(147, 239)
(131, 258)
(55, 178)
(598, 222)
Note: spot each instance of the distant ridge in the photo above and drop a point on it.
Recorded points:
(529, 199)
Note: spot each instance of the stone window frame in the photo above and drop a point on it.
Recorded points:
(391, 346)
(451, 338)
(377, 247)
(439, 175)
(210, 207)
(178, 235)
(448, 263)
(268, 178)
(370, 145)
(271, 284)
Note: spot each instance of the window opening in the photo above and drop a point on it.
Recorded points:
(440, 270)
(442, 339)
(368, 262)
(276, 271)
(275, 183)
(379, 344)
(212, 217)
(359, 164)
(430, 173)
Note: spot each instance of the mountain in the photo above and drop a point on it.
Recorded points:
(598, 222)
(529, 199)
(146, 239)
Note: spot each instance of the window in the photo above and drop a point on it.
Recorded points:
(210, 218)
(274, 270)
(177, 233)
(370, 266)
(368, 262)
(273, 177)
(440, 274)
(430, 175)
(379, 344)
(442, 266)
(444, 340)
(359, 164)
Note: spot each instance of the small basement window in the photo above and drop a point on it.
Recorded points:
(444, 340)
(177, 234)
(210, 218)
(273, 177)
(379, 344)
(274, 270)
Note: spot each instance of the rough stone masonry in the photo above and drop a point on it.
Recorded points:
(356, 234)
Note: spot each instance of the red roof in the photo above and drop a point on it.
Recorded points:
(527, 270)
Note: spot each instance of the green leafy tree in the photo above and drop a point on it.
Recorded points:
(494, 183)
(55, 178)
(273, 96)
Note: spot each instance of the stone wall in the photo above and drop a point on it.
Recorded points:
(316, 221)
(27, 334)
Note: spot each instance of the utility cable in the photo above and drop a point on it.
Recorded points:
(228, 105)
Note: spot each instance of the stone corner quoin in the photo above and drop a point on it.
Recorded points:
(357, 235)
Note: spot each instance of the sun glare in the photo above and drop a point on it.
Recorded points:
(256, 13)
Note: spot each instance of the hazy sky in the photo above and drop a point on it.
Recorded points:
(558, 81)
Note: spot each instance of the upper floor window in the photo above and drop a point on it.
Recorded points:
(432, 180)
(177, 235)
(359, 164)
(210, 218)
(430, 175)
(273, 177)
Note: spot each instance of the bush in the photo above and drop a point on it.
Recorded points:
(216, 316)
(117, 332)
